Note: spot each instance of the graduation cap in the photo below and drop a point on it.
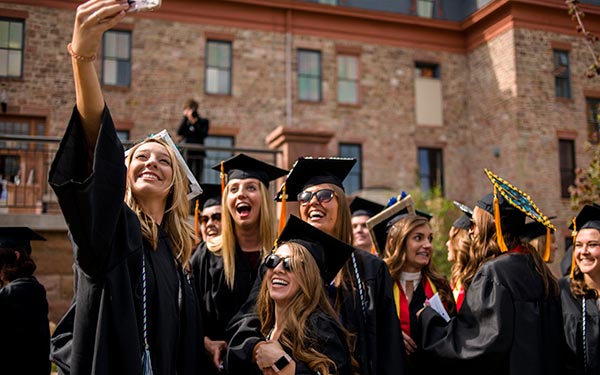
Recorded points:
(535, 229)
(309, 171)
(509, 206)
(364, 207)
(18, 238)
(588, 217)
(380, 224)
(330, 253)
(242, 166)
(464, 208)
(193, 185)
(463, 222)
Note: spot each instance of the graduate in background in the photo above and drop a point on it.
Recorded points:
(228, 265)
(459, 245)
(545, 243)
(25, 343)
(135, 311)
(580, 295)
(407, 237)
(362, 210)
(510, 322)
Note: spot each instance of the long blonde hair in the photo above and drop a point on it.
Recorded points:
(395, 250)
(309, 298)
(228, 239)
(175, 220)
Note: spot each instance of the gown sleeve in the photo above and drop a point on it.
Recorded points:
(482, 329)
(92, 201)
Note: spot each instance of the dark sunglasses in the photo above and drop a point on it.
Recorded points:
(273, 260)
(214, 217)
(323, 195)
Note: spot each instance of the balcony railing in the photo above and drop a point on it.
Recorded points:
(25, 162)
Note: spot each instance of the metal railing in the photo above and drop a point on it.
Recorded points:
(25, 163)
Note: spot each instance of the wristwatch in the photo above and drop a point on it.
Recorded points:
(281, 363)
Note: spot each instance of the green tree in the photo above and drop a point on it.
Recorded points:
(586, 188)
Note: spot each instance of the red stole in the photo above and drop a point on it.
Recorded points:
(401, 302)
(459, 295)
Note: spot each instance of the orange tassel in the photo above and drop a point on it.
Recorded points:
(499, 237)
(222, 175)
(574, 235)
(546, 256)
(282, 215)
(196, 217)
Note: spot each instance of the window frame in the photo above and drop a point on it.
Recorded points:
(356, 173)
(301, 75)
(22, 22)
(213, 157)
(562, 80)
(350, 80)
(219, 68)
(116, 59)
(566, 172)
(438, 152)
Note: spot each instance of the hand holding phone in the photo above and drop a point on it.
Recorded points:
(143, 5)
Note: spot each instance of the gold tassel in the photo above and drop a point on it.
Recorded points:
(499, 237)
(283, 213)
(222, 175)
(546, 256)
(196, 217)
(574, 235)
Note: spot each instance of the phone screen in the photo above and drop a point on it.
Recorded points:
(143, 5)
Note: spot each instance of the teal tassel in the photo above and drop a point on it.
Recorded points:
(146, 364)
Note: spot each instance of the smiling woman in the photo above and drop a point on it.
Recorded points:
(227, 272)
(580, 295)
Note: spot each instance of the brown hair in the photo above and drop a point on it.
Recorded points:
(461, 242)
(310, 297)
(13, 266)
(395, 250)
(191, 104)
(579, 287)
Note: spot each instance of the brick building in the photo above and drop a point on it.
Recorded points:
(425, 92)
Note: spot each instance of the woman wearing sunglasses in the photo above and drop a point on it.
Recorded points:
(227, 266)
(361, 292)
(303, 335)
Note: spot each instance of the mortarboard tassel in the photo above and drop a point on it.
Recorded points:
(499, 237)
(283, 208)
(546, 256)
(196, 217)
(574, 235)
(222, 175)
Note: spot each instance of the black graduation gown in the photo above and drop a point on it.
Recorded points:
(506, 325)
(379, 347)
(219, 303)
(25, 337)
(573, 323)
(108, 248)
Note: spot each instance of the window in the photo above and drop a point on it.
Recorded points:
(213, 157)
(11, 47)
(353, 181)
(431, 169)
(566, 149)
(428, 94)
(123, 135)
(309, 75)
(593, 119)
(562, 74)
(218, 67)
(425, 8)
(347, 67)
(116, 58)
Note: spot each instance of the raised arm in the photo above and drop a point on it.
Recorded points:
(93, 18)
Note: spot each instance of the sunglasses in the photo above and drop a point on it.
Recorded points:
(323, 196)
(214, 217)
(273, 261)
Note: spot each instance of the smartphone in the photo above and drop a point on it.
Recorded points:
(143, 5)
